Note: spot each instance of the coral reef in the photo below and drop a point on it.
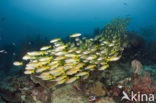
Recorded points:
(96, 84)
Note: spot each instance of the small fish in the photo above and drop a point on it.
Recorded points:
(33, 64)
(60, 48)
(90, 67)
(28, 57)
(34, 61)
(41, 69)
(82, 74)
(29, 72)
(72, 80)
(62, 81)
(17, 63)
(58, 74)
(45, 47)
(86, 52)
(78, 51)
(114, 58)
(80, 65)
(61, 77)
(55, 40)
(67, 66)
(45, 59)
(104, 67)
(91, 39)
(46, 77)
(35, 53)
(106, 42)
(60, 53)
(60, 58)
(73, 49)
(60, 67)
(43, 63)
(54, 62)
(110, 45)
(72, 60)
(54, 66)
(29, 68)
(71, 55)
(75, 35)
(72, 71)
(58, 44)
(91, 57)
(56, 71)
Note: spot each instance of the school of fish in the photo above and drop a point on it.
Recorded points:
(68, 62)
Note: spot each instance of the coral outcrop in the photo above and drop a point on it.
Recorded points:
(96, 89)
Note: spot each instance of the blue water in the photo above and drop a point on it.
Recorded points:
(60, 18)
